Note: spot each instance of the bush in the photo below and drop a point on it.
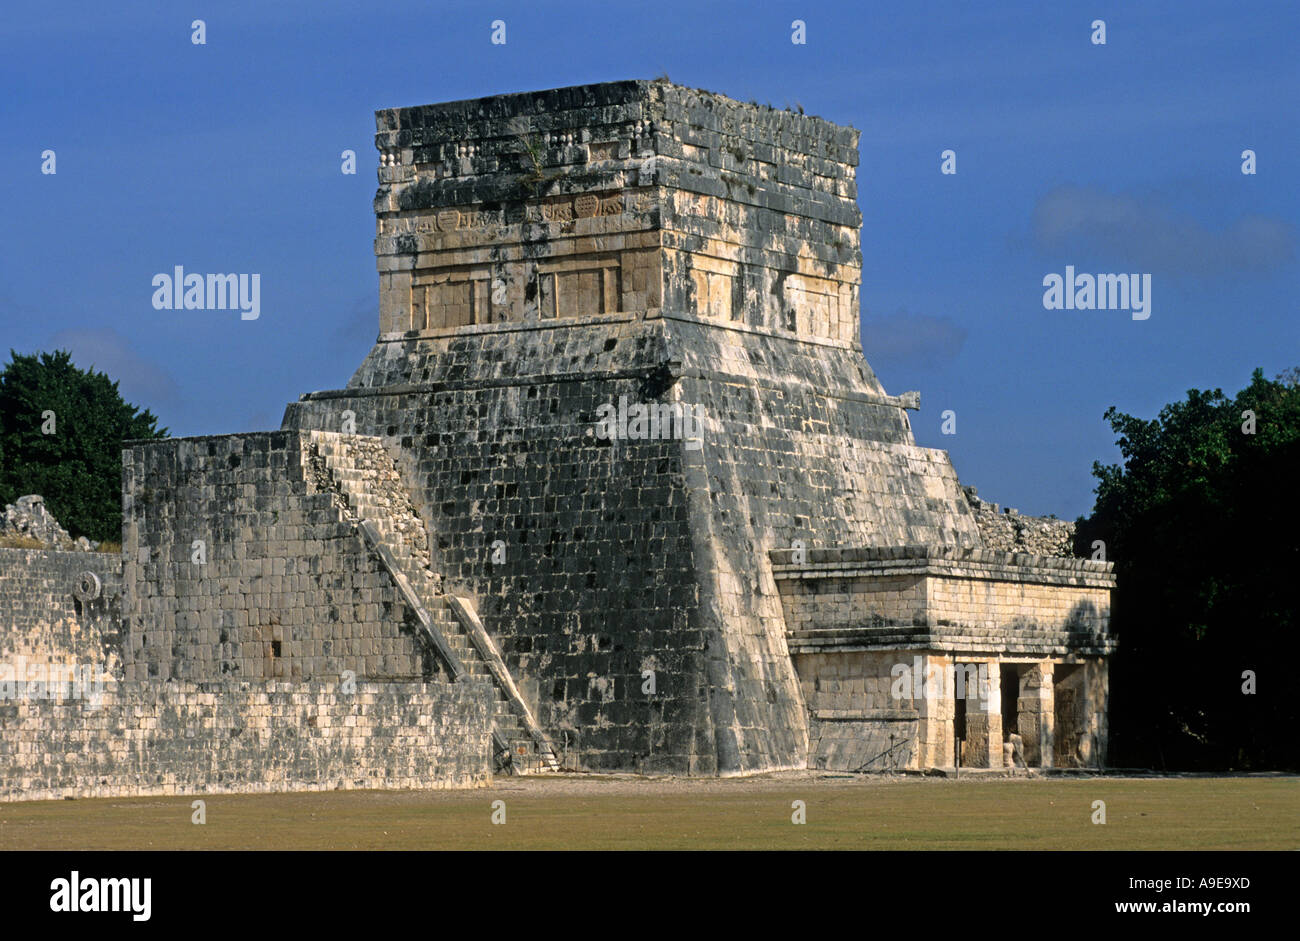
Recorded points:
(61, 434)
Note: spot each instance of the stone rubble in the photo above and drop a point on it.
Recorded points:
(28, 517)
(1007, 529)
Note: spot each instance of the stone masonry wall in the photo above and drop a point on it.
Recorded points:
(760, 219)
(287, 589)
(613, 198)
(184, 738)
(597, 580)
(517, 208)
(855, 723)
(976, 598)
(637, 555)
(42, 619)
(543, 254)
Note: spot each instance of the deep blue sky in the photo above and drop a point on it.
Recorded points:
(1115, 158)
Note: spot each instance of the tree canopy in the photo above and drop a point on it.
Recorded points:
(61, 434)
(1203, 527)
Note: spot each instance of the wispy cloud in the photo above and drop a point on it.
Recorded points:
(1143, 234)
(141, 381)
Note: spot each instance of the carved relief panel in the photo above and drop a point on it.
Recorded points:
(579, 287)
(450, 298)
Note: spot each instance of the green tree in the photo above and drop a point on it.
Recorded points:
(1204, 530)
(61, 434)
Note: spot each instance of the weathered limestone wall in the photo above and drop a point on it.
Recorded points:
(855, 722)
(184, 738)
(1058, 707)
(798, 444)
(1081, 707)
(287, 590)
(541, 255)
(760, 217)
(620, 197)
(960, 599)
(284, 589)
(519, 207)
(597, 580)
(636, 555)
(50, 613)
(945, 614)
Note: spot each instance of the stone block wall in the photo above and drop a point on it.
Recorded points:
(855, 614)
(1022, 602)
(857, 682)
(760, 218)
(52, 613)
(860, 744)
(977, 599)
(633, 555)
(285, 588)
(596, 582)
(517, 208)
(621, 197)
(1080, 695)
(280, 589)
(172, 737)
(854, 721)
(857, 723)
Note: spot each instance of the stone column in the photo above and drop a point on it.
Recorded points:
(983, 747)
(1096, 691)
(935, 748)
(1037, 714)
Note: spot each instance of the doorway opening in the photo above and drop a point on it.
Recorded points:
(1010, 689)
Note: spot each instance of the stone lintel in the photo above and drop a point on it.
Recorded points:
(1066, 648)
(949, 561)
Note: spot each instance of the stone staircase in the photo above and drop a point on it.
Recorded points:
(369, 491)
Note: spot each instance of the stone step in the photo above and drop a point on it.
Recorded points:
(362, 472)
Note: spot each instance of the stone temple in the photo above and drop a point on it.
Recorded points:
(459, 564)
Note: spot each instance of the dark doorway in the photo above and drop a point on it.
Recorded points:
(959, 725)
(1010, 700)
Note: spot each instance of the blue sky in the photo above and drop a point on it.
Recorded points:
(1116, 158)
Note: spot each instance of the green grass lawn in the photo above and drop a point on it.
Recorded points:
(591, 812)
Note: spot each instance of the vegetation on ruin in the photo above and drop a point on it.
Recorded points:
(15, 541)
(1205, 538)
(61, 434)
